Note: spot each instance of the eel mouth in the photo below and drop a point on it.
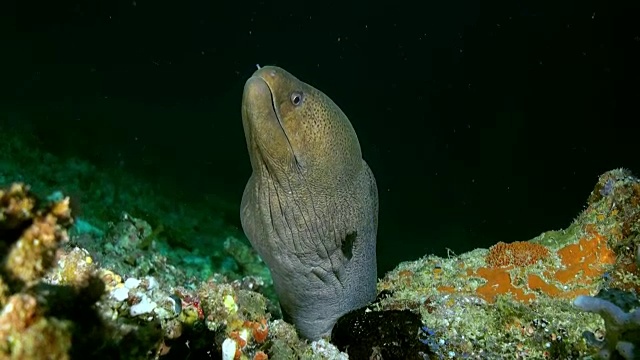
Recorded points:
(278, 117)
(274, 108)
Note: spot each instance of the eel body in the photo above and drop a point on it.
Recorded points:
(310, 207)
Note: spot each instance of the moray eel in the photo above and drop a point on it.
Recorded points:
(310, 207)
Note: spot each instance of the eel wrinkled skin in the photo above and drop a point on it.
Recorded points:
(310, 207)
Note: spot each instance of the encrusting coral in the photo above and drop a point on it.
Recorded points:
(29, 234)
(39, 319)
(42, 230)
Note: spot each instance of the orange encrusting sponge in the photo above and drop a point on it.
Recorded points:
(585, 258)
(579, 265)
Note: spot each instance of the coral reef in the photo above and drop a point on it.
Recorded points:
(37, 317)
(123, 284)
(188, 232)
(514, 300)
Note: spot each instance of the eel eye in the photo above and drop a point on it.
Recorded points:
(296, 98)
